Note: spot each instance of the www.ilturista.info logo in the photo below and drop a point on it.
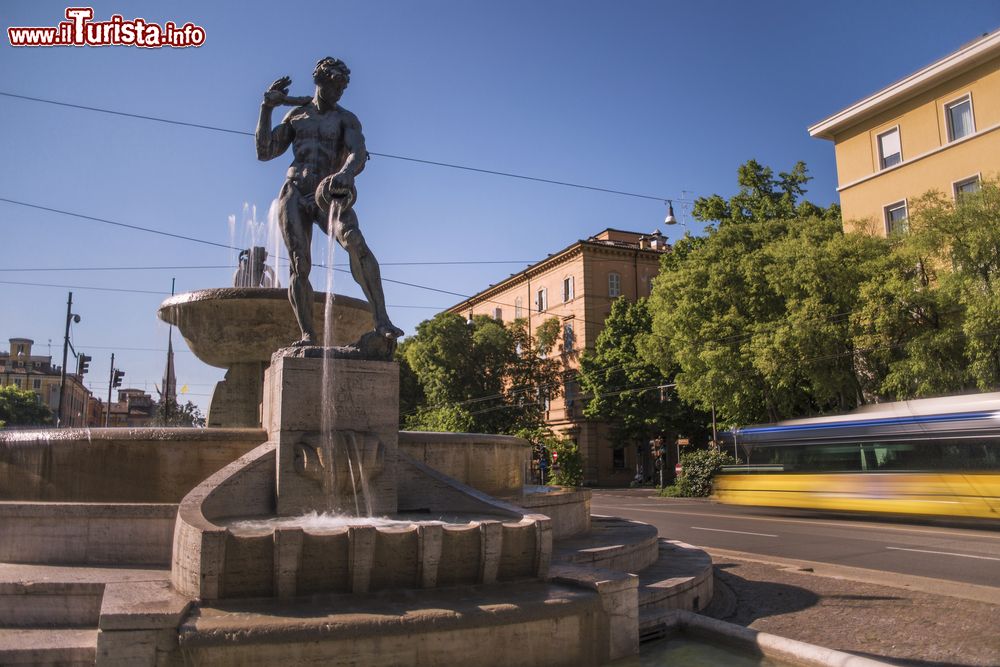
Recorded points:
(80, 30)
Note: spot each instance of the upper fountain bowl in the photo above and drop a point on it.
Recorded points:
(230, 325)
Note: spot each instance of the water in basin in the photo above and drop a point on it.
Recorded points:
(694, 653)
(326, 522)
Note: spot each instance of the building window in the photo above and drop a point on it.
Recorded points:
(518, 308)
(959, 116)
(895, 218)
(567, 289)
(498, 314)
(889, 149)
(37, 384)
(614, 285)
(542, 300)
(966, 187)
(618, 458)
(569, 337)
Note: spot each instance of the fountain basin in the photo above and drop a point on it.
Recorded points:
(226, 326)
(239, 328)
(212, 561)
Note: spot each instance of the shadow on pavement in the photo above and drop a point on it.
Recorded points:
(740, 601)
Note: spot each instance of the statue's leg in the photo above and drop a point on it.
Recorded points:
(364, 268)
(296, 228)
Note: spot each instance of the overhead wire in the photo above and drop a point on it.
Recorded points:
(436, 163)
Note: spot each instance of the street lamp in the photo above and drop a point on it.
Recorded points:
(671, 219)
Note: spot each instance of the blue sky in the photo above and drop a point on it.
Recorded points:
(658, 98)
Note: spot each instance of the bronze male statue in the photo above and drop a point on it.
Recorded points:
(329, 152)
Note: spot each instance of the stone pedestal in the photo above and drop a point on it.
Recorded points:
(337, 438)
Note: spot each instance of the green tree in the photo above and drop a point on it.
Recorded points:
(927, 319)
(628, 391)
(755, 317)
(21, 407)
(170, 413)
(480, 376)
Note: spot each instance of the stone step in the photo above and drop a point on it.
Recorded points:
(681, 578)
(612, 544)
(66, 647)
(37, 596)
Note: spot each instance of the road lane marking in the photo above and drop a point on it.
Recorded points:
(871, 526)
(738, 532)
(943, 553)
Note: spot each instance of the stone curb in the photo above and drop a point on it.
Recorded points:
(768, 645)
(955, 589)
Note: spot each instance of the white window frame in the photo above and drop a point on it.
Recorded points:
(498, 314)
(569, 291)
(542, 300)
(894, 206)
(977, 178)
(947, 116)
(518, 308)
(878, 147)
(614, 284)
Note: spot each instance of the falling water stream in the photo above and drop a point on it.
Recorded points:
(331, 447)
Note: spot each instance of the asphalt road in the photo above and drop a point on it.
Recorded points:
(968, 555)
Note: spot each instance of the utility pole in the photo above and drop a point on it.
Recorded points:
(111, 381)
(62, 375)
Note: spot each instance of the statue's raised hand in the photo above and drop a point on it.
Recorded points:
(277, 93)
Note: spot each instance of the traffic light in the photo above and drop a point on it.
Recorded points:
(117, 382)
(82, 364)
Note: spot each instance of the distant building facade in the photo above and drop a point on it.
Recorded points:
(25, 370)
(577, 285)
(937, 129)
(134, 407)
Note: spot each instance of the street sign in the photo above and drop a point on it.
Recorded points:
(678, 468)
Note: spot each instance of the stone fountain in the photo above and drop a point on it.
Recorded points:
(442, 557)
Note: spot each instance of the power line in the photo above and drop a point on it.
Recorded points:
(118, 224)
(226, 266)
(102, 289)
(405, 158)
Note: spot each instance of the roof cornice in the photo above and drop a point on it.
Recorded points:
(545, 265)
(967, 57)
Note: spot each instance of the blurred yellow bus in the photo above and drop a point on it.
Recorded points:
(933, 457)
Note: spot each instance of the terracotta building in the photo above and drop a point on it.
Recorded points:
(21, 368)
(937, 129)
(577, 285)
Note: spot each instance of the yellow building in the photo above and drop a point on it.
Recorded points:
(937, 129)
(577, 285)
(21, 368)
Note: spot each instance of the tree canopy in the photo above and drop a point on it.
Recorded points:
(170, 413)
(20, 407)
(926, 322)
(628, 391)
(755, 316)
(482, 376)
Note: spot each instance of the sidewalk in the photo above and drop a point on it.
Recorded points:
(903, 620)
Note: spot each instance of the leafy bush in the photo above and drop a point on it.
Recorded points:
(699, 467)
(563, 453)
(672, 491)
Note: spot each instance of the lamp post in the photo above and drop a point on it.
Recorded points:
(70, 317)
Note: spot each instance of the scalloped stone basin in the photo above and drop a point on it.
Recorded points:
(213, 559)
(232, 325)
